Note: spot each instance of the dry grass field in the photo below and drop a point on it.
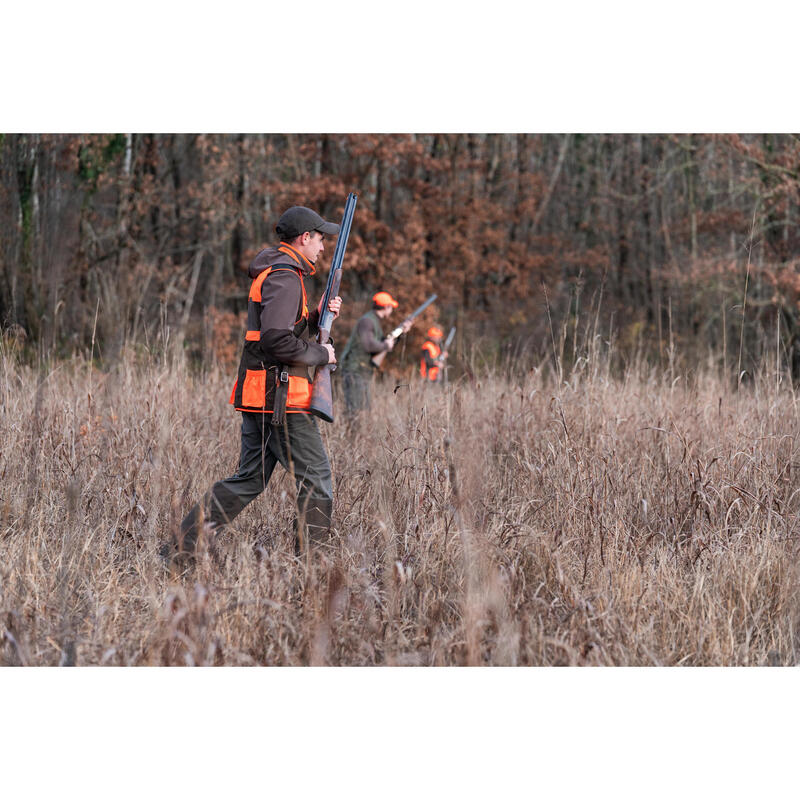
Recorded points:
(504, 520)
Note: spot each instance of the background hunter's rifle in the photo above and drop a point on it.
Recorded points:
(447, 342)
(377, 359)
(321, 396)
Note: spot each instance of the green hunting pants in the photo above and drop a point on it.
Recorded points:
(356, 392)
(298, 448)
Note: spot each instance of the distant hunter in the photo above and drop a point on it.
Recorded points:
(365, 342)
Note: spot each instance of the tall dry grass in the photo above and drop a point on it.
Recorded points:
(511, 519)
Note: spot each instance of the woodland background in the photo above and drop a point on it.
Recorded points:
(117, 241)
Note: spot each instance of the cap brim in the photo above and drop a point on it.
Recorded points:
(329, 228)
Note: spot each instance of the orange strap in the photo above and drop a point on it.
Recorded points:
(255, 296)
(432, 348)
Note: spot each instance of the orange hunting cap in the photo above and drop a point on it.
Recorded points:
(435, 333)
(384, 299)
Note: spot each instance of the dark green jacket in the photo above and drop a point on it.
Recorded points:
(365, 341)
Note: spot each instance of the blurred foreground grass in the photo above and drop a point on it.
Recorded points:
(504, 520)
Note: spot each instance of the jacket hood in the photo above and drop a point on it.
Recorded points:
(283, 254)
(272, 257)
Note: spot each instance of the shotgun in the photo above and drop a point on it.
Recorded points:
(447, 342)
(321, 395)
(377, 359)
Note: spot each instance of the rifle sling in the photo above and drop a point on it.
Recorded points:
(281, 395)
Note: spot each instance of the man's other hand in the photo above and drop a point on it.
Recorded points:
(335, 306)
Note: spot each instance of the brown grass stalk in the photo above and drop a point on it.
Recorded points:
(634, 520)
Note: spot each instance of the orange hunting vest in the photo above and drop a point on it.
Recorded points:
(254, 389)
(434, 350)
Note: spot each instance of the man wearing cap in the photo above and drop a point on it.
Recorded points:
(273, 390)
(432, 358)
(366, 341)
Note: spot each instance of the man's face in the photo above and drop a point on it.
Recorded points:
(385, 312)
(311, 245)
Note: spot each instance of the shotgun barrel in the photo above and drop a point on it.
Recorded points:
(447, 342)
(321, 394)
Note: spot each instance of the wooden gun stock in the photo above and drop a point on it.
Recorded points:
(321, 390)
(322, 393)
(377, 359)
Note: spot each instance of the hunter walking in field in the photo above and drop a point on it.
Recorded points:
(277, 426)
(433, 357)
(365, 342)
